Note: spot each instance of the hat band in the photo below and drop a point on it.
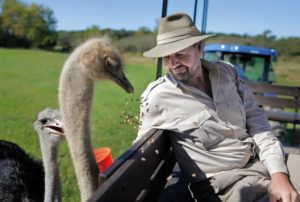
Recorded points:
(177, 35)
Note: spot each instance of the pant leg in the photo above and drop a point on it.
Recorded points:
(203, 191)
(247, 184)
(293, 164)
(176, 189)
(247, 189)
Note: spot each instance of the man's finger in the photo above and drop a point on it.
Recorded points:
(295, 197)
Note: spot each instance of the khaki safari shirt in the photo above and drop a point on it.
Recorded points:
(213, 134)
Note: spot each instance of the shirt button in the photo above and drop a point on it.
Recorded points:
(195, 123)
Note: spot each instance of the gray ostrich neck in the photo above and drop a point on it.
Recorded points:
(52, 180)
(76, 102)
(79, 101)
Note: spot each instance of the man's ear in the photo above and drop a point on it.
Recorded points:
(200, 46)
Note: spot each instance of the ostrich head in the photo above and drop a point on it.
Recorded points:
(102, 61)
(48, 126)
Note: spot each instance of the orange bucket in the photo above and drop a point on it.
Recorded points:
(103, 158)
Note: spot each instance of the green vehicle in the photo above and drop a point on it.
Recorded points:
(252, 63)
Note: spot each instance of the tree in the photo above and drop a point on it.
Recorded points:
(64, 41)
(40, 26)
(32, 24)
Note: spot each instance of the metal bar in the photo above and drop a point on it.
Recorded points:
(204, 16)
(159, 60)
(294, 124)
(164, 8)
(265, 74)
(195, 11)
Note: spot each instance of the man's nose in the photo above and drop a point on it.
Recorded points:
(173, 60)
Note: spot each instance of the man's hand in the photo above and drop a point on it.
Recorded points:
(281, 189)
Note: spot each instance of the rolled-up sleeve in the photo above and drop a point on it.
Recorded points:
(270, 152)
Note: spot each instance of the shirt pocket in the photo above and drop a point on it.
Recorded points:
(194, 133)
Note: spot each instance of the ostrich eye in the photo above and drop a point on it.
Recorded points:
(108, 62)
(43, 121)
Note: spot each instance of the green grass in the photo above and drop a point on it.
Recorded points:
(29, 83)
(287, 71)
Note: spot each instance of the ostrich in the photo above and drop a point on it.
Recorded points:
(94, 59)
(23, 178)
(49, 129)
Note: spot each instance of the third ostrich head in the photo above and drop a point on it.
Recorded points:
(103, 61)
(48, 126)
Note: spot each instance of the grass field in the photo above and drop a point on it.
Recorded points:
(29, 83)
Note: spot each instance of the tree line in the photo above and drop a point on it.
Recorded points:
(34, 26)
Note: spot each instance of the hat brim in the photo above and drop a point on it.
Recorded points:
(166, 49)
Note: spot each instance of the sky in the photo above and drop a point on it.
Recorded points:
(250, 17)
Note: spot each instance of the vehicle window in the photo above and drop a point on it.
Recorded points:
(237, 62)
(249, 67)
(254, 68)
(211, 56)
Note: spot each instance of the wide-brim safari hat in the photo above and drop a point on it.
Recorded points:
(175, 32)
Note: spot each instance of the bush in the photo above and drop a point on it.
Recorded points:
(135, 43)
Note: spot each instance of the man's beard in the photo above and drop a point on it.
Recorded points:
(182, 75)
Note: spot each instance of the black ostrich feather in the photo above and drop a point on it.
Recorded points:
(21, 177)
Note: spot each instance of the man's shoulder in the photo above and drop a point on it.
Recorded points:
(224, 64)
(225, 67)
(154, 87)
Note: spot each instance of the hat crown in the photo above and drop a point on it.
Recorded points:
(174, 22)
(175, 32)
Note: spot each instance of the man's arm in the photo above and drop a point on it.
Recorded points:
(269, 148)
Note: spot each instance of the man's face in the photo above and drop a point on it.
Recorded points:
(184, 64)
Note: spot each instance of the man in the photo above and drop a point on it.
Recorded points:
(219, 131)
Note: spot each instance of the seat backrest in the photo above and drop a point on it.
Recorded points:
(276, 96)
(139, 174)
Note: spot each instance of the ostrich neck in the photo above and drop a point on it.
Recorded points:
(76, 92)
(52, 180)
(76, 99)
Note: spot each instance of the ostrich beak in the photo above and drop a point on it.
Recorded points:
(121, 80)
(55, 127)
(124, 83)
